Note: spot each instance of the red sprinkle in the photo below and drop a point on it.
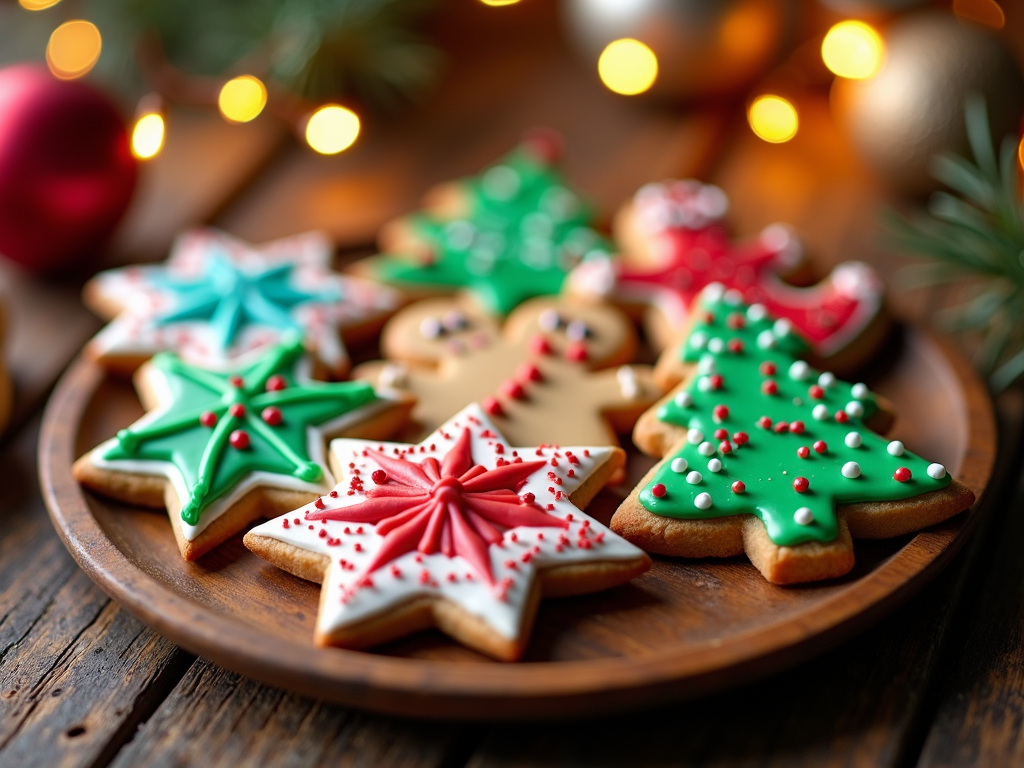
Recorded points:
(769, 387)
(803, 451)
(768, 368)
(842, 417)
(379, 476)
(741, 438)
(239, 439)
(820, 446)
(529, 372)
(271, 415)
(276, 383)
(659, 490)
(492, 406)
(738, 487)
(720, 412)
(781, 428)
(725, 446)
(237, 410)
(715, 379)
(319, 503)
(721, 434)
(801, 484)
(901, 475)
(735, 346)
(735, 320)
(764, 422)
(796, 427)
(816, 392)
(208, 418)
(528, 498)
(236, 381)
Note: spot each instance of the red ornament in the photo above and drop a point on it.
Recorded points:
(66, 170)
(658, 490)
(715, 380)
(738, 487)
(721, 434)
(239, 439)
(528, 498)
(820, 446)
(901, 475)
(271, 415)
(781, 428)
(801, 484)
(735, 320)
(276, 383)
(539, 345)
(208, 418)
(725, 447)
(379, 476)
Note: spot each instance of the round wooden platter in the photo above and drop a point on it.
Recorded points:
(684, 628)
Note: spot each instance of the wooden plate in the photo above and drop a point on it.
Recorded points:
(682, 629)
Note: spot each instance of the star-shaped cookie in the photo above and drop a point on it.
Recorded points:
(218, 302)
(462, 532)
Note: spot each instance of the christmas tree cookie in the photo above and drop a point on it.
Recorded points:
(505, 236)
(554, 372)
(462, 532)
(764, 455)
(674, 243)
(219, 302)
(221, 449)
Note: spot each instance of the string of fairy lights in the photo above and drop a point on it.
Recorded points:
(851, 49)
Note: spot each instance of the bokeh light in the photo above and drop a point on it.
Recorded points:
(982, 11)
(773, 119)
(74, 49)
(499, 2)
(332, 129)
(148, 136)
(853, 50)
(242, 98)
(628, 66)
(37, 5)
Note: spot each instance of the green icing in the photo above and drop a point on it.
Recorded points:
(210, 465)
(769, 463)
(524, 233)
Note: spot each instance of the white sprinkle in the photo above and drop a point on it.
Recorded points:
(698, 340)
(936, 471)
(694, 477)
(694, 436)
(766, 339)
(860, 391)
(679, 465)
(703, 501)
(706, 364)
(733, 297)
(851, 469)
(714, 465)
(430, 328)
(820, 412)
(826, 380)
(704, 384)
(716, 345)
(713, 292)
(895, 448)
(684, 399)
(853, 440)
(756, 312)
(799, 371)
(706, 449)
(855, 409)
(798, 401)
(803, 516)
(782, 327)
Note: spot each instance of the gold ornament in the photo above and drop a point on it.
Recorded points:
(914, 107)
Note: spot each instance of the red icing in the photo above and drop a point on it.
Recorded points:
(208, 418)
(271, 415)
(239, 439)
(276, 383)
(529, 372)
(492, 406)
(237, 410)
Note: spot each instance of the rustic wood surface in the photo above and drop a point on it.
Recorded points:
(82, 683)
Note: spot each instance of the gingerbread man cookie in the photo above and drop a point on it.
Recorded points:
(555, 373)
(463, 532)
(766, 456)
(674, 243)
(221, 449)
(220, 302)
(505, 236)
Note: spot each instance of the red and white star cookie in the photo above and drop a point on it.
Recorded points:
(462, 532)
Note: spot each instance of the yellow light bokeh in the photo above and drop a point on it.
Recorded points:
(499, 2)
(773, 119)
(242, 99)
(37, 5)
(628, 66)
(148, 136)
(74, 49)
(332, 129)
(853, 50)
(1020, 152)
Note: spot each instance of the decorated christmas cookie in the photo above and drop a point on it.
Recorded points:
(555, 373)
(462, 532)
(507, 235)
(763, 454)
(221, 449)
(219, 302)
(674, 243)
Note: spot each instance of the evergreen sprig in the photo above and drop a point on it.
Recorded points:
(974, 236)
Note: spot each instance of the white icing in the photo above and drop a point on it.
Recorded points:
(859, 390)
(803, 516)
(756, 313)
(826, 380)
(936, 471)
(472, 594)
(679, 465)
(895, 448)
(716, 345)
(766, 339)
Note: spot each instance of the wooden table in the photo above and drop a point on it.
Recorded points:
(82, 683)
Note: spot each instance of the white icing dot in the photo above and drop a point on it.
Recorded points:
(799, 371)
(860, 391)
(733, 297)
(713, 292)
(826, 380)
(704, 384)
(756, 312)
(679, 465)
(782, 327)
(936, 471)
(698, 340)
(853, 440)
(766, 339)
(798, 401)
(694, 436)
(895, 448)
(684, 399)
(820, 412)
(694, 478)
(430, 327)
(706, 449)
(855, 409)
(803, 516)
(703, 501)
(706, 364)
(851, 469)
(716, 345)
(714, 465)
